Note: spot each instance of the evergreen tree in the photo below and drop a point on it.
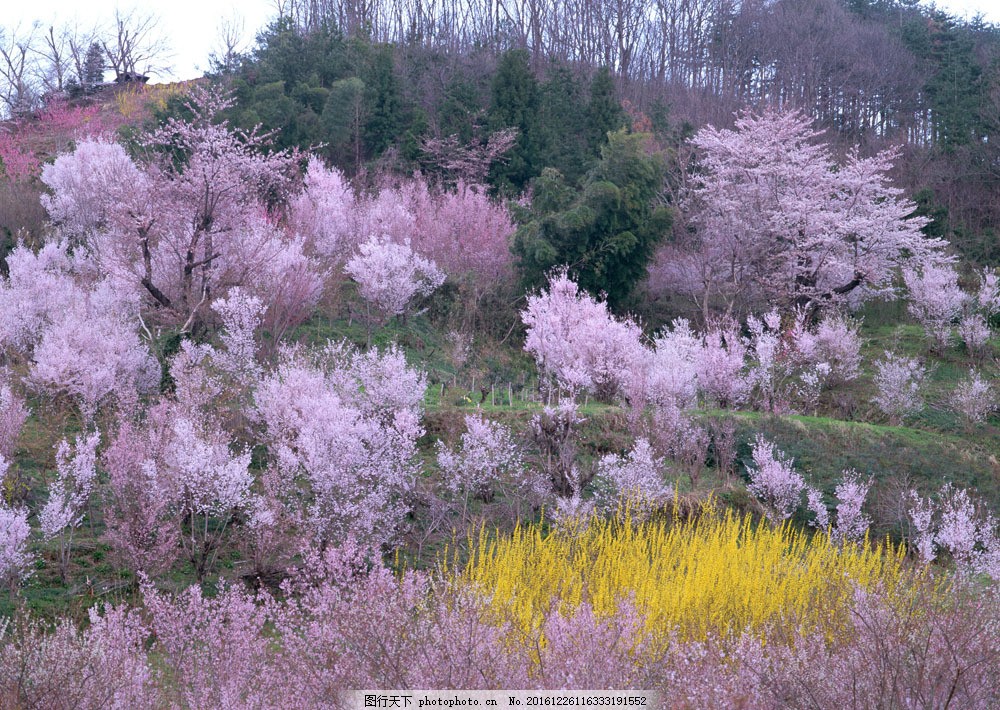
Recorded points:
(344, 120)
(954, 88)
(515, 105)
(606, 232)
(604, 111)
(460, 105)
(383, 102)
(562, 126)
(93, 67)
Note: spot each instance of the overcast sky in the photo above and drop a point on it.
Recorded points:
(192, 26)
(990, 9)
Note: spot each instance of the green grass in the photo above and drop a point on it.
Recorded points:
(499, 381)
(897, 457)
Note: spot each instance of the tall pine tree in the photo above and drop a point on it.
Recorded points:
(514, 104)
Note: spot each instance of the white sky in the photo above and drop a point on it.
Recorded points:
(990, 9)
(191, 27)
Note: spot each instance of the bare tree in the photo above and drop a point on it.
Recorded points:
(87, 63)
(17, 91)
(53, 66)
(137, 47)
(230, 45)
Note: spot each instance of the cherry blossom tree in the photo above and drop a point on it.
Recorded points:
(192, 220)
(324, 212)
(572, 511)
(13, 414)
(935, 300)
(631, 483)
(38, 287)
(793, 361)
(973, 398)
(198, 387)
(851, 524)
(671, 377)
(390, 275)
(959, 527)
(88, 187)
(345, 425)
(177, 474)
(486, 456)
(851, 492)
(975, 333)
(722, 366)
(69, 494)
(920, 512)
(834, 341)
(774, 362)
(241, 315)
(462, 232)
(988, 294)
(388, 213)
(898, 380)
(289, 283)
(576, 342)
(207, 482)
(91, 352)
(379, 382)
(465, 232)
(19, 163)
(553, 431)
(141, 519)
(214, 651)
(773, 480)
(470, 161)
(102, 665)
(207, 203)
(959, 524)
(58, 124)
(776, 219)
(15, 560)
(272, 535)
(76, 333)
(685, 367)
(680, 438)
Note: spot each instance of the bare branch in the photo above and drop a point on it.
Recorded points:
(230, 45)
(17, 92)
(138, 48)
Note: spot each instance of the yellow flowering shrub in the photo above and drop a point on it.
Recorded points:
(714, 574)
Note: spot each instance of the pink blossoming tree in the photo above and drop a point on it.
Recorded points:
(69, 494)
(776, 219)
(391, 275)
(187, 223)
(15, 560)
(850, 524)
(774, 481)
(899, 380)
(633, 482)
(577, 344)
(935, 300)
(344, 426)
(141, 519)
(487, 459)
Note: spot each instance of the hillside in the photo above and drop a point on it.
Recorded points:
(478, 339)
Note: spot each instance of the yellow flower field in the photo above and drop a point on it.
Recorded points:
(711, 575)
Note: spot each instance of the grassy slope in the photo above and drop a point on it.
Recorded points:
(932, 448)
(499, 380)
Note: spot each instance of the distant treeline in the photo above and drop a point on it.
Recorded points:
(377, 83)
(867, 67)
